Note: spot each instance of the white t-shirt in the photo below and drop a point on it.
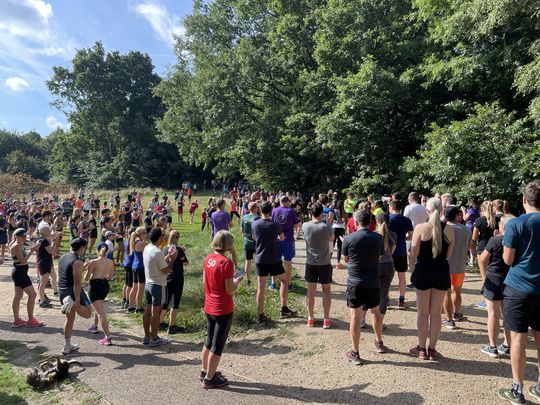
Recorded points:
(417, 213)
(154, 262)
(110, 246)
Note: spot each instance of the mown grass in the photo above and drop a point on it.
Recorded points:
(197, 243)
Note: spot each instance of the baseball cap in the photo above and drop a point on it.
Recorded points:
(109, 233)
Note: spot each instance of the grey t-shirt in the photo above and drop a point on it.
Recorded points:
(462, 237)
(317, 236)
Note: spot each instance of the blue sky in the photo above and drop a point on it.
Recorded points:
(36, 35)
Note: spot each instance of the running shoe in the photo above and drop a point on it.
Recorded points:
(380, 347)
(17, 323)
(176, 329)
(433, 355)
(139, 311)
(67, 305)
(503, 350)
(311, 322)
(327, 324)
(457, 316)
(287, 313)
(512, 396)
(410, 286)
(363, 324)
(490, 351)
(146, 340)
(216, 382)
(262, 319)
(131, 310)
(93, 329)
(354, 358)
(481, 305)
(272, 287)
(202, 374)
(449, 324)
(158, 341)
(401, 305)
(105, 342)
(533, 391)
(163, 326)
(67, 349)
(420, 352)
(34, 322)
(44, 303)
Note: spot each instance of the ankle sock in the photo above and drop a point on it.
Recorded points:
(67, 341)
(518, 388)
(401, 298)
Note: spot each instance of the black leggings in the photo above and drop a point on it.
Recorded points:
(175, 288)
(337, 233)
(128, 280)
(218, 328)
(203, 225)
(235, 214)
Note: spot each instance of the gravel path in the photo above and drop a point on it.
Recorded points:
(289, 363)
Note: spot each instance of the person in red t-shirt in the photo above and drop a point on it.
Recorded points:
(192, 208)
(219, 287)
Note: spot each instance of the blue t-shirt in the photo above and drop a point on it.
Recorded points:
(326, 212)
(287, 218)
(523, 234)
(400, 225)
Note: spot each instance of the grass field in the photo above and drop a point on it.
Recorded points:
(197, 242)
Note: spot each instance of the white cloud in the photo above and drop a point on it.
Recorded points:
(165, 24)
(53, 123)
(17, 83)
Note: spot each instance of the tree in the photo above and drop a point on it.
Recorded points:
(24, 153)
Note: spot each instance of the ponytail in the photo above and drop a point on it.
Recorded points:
(133, 237)
(434, 205)
(382, 228)
(487, 209)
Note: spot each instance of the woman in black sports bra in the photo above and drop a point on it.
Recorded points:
(21, 280)
(431, 245)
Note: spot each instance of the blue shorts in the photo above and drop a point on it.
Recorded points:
(155, 295)
(286, 249)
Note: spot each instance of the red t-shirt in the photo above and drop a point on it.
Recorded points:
(351, 226)
(217, 268)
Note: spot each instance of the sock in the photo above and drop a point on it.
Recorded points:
(284, 308)
(401, 298)
(67, 341)
(518, 388)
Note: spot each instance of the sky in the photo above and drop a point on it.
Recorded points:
(36, 35)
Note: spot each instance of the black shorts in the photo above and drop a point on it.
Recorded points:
(249, 253)
(99, 288)
(318, 274)
(175, 288)
(138, 276)
(155, 294)
(400, 264)
(63, 293)
(20, 277)
(358, 296)
(521, 310)
(169, 220)
(265, 270)
(128, 280)
(217, 328)
(493, 287)
(44, 268)
(93, 234)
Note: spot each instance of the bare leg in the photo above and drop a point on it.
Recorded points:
(377, 319)
(84, 311)
(154, 326)
(213, 363)
(247, 269)
(310, 299)
(448, 307)
(54, 283)
(172, 316)
(326, 299)
(402, 283)
(493, 326)
(260, 294)
(31, 300)
(140, 291)
(518, 358)
(17, 302)
(354, 329)
(102, 315)
(42, 284)
(146, 319)
(423, 300)
(205, 354)
(435, 307)
(456, 299)
(68, 325)
(284, 290)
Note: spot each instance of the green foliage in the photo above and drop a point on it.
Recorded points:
(25, 153)
(487, 154)
(108, 99)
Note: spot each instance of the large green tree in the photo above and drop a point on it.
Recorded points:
(24, 153)
(108, 99)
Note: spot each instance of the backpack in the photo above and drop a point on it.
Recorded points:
(48, 371)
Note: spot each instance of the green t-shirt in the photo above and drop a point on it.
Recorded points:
(348, 206)
(247, 221)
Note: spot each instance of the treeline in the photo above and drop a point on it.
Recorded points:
(372, 95)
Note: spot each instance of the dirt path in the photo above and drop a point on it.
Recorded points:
(289, 363)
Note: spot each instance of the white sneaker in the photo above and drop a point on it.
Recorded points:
(67, 349)
(67, 305)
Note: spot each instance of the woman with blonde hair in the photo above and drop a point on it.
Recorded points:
(137, 242)
(431, 245)
(219, 287)
(484, 227)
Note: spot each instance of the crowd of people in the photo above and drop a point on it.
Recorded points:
(431, 237)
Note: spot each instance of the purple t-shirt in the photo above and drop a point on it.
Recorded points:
(220, 221)
(474, 214)
(287, 218)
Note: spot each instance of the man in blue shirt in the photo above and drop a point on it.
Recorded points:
(522, 289)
